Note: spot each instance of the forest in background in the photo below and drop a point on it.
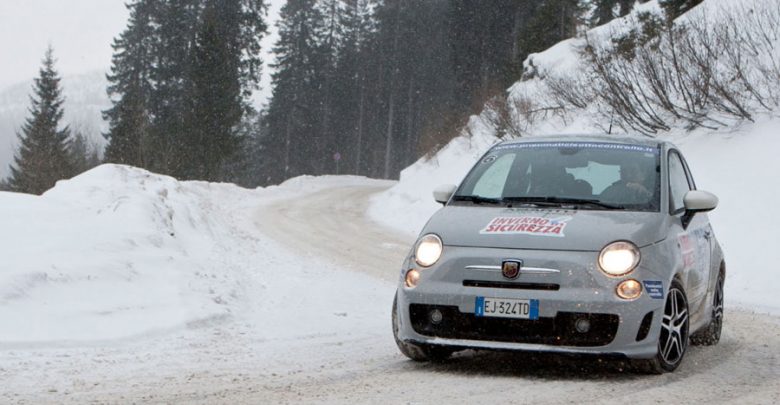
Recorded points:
(360, 86)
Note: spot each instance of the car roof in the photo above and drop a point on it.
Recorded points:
(622, 139)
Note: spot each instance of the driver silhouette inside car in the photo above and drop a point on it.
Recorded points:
(631, 188)
(554, 181)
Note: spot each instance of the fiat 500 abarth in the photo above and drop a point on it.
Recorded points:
(573, 244)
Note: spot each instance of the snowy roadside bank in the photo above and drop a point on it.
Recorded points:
(119, 252)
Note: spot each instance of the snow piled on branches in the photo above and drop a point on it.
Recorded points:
(714, 67)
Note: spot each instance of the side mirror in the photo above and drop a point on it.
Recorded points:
(697, 201)
(443, 193)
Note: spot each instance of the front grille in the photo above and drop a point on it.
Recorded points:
(511, 285)
(557, 331)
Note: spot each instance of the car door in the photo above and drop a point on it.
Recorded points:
(693, 240)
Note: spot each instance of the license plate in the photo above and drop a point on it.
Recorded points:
(507, 308)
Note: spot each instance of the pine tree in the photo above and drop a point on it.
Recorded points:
(223, 73)
(43, 156)
(130, 88)
(83, 155)
(553, 21)
(252, 28)
(389, 17)
(330, 38)
(216, 107)
(250, 167)
(351, 98)
(603, 12)
(675, 8)
(176, 23)
(165, 64)
(626, 6)
(292, 114)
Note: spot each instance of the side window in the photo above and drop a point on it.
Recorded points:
(678, 183)
(491, 184)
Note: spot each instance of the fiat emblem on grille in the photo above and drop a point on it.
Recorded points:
(511, 268)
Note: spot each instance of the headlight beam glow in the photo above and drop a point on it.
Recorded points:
(619, 258)
(428, 250)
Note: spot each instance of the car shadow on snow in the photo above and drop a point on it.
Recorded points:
(534, 365)
(574, 367)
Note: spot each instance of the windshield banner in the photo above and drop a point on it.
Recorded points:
(579, 145)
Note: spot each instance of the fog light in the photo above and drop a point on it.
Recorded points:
(582, 325)
(412, 278)
(629, 289)
(436, 316)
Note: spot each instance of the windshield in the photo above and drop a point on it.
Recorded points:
(596, 175)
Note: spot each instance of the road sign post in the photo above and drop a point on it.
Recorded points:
(337, 158)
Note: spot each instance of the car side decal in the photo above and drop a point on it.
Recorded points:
(526, 225)
(654, 288)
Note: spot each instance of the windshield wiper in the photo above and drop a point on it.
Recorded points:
(477, 199)
(563, 200)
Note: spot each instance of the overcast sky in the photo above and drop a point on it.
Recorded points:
(81, 32)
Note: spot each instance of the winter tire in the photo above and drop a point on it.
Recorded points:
(710, 334)
(673, 337)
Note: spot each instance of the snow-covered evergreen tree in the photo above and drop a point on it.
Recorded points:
(43, 156)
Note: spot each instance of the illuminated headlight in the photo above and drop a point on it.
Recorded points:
(619, 258)
(428, 250)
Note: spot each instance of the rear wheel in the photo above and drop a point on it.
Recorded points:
(710, 334)
(673, 339)
(417, 352)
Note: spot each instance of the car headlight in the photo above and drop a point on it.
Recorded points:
(619, 258)
(428, 250)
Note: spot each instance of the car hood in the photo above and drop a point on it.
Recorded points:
(543, 229)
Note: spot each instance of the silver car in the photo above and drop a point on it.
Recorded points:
(576, 244)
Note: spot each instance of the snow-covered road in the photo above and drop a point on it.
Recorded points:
(325, 336)
(744, 367)
(332, 225)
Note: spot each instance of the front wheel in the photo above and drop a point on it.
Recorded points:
(673, 339)
(413, 351)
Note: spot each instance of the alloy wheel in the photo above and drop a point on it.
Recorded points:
(674, 327)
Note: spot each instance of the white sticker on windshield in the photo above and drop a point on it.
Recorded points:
(526, 225)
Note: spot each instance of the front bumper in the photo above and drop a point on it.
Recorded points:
(570, 288)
